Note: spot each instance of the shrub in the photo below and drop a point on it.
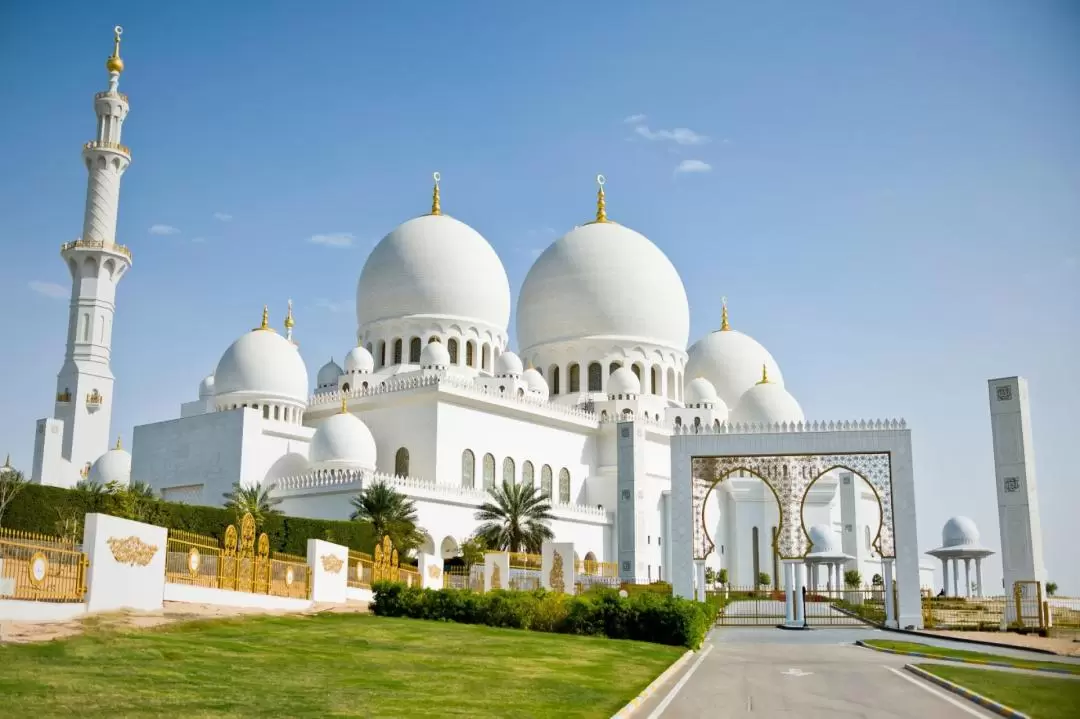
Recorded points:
(645, 616)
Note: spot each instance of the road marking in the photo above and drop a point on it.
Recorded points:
(659, 710)
(796, 672)
(942, 695)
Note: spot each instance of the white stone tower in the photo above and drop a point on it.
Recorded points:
(1014, 467)
(84, 385)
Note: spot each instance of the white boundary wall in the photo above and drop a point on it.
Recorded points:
(127, 564)
(229, 598)
(19, 610)
(329, 570)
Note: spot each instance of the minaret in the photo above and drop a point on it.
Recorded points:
(84, 385)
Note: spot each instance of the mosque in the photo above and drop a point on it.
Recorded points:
(431, 399)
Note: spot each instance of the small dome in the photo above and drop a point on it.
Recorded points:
(359, 360)
(536, 381)
(623, 381)
(434, 356)
(824, 539)
(113, 466)
(328, 375)
(262, 365)
(701, 391)
(508, 364)
(342, 442)
(206, 387)
(959, 531)
(731, 361)
(767, 403)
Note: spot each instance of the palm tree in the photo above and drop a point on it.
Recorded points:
(389, 512)
(517, 520)
(141, 489)
(255, 500)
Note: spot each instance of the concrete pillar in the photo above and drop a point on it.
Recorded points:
(890, 607)
(967, 577)
(789, 599)
(978, 577)
(800, 585)
(945, 576)
(955, 577)
(699, 573)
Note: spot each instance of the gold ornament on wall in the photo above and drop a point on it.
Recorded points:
(555, 577)
(332, 563)
(434, 571)
(132, 551)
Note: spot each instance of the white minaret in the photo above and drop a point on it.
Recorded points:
(1014, 467)
(84, 385)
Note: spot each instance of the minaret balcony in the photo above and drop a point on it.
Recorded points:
(111, 93)
(104, 145)
(63, 397)
(96, 245)
(94, 400)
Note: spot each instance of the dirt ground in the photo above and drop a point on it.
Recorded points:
(1064, 646)
(22, 632)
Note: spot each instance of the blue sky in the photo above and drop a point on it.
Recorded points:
(890, 201)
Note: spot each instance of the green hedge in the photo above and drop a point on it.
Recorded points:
(39, 508)
(647, 616)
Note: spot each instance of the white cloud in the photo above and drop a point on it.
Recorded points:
(693, 166)
(223, 216)
(634, 119)
(50, 289)
(680, 135)
(164, 230)
(332, 306)
(333, 239)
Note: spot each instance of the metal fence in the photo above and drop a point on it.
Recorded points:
(361, 565)
(461, 577)
(39, 567)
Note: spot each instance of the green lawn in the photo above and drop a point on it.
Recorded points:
(1038, 697)
(326, 665)
(973, 657)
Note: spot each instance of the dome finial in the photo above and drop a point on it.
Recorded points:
(724, 326)
(265, 320)
(118, 445)
(114, 63)
(764, 373)
(436, 208)
(344, 404)
(601, 204)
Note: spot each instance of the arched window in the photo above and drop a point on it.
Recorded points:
(489, 471)
(401, 462)
(345, 387)
(470, 353)
(370, 349)
(564, 486)
(655, 379)
(397, 351)
(485, 357)
(545, 480)
(574, 371)
(509, 471)
(468, 469)
(553, 386)
(414, 350)
(869, 544)
(432, 338)
(382, 353)
(596, 377)
(451, 347)
(527, 474)
(613, 366)
(678, 421)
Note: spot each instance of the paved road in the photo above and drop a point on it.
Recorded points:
(768, 672)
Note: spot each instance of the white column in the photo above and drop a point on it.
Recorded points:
(978, 577)
(789, 599)
(967, 577)
(890, 609)
(800, 584)
(699, 573)
(956, 577)
(945, 575)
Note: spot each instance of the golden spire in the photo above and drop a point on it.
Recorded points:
(724, 326)
(114, 63)
(436, 208)
(289, 323)
(118, 445)
(764, 374)
(601, 205)
(344, 404)
(265, 321)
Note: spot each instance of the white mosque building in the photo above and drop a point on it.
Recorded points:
(432, 399)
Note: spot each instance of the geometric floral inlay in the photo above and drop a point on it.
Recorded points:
(790, 478)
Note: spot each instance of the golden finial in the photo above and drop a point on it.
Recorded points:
(764, 374)
(436, 208)
(289, 323)
(118, 445)
(724, 326)
(344, 404)
(601, 205)
(114, 63)
(265, 321)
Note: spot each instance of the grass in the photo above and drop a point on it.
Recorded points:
(963, 655)
(326, 665)
(1038, 697)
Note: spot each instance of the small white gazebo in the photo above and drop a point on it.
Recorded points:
(826, 552)
(960, 540)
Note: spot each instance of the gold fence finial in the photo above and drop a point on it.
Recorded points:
(436, 208)
(724, 326)
(764, 373)
(344, 404)
(118, 445)
(114, 63)
(601, 203)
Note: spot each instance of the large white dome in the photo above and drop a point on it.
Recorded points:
(359, 360)
(434, 265)
(824, 539)
(342, 442)
(959, 531)
(766, 403)
(328, 375)
(732, 362)
(263, 365)
(603, 280)
(113, 466)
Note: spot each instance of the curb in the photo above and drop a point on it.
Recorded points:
(648, 691)
(978, 642)
(973, 662)
(979, 699)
